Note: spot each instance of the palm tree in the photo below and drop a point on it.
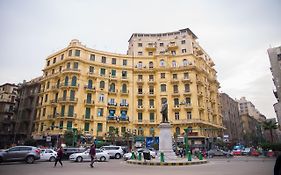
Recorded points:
(270, 125)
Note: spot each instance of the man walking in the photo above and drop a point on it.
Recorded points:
(92, 154)
(59, 156)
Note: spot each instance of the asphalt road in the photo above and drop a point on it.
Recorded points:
(232, 166)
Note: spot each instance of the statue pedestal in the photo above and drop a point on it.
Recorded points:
(165, 141)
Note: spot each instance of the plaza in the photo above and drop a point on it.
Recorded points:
(223, 166)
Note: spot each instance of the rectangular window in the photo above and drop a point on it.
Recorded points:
(150, 53)
(77, 53)
(151, 77)
(162, 75)
(46, 97)
(175, 76)
(113, 61)
(113, 73)
(177, 116)
(103, 59)
(61, 125)
(125, 62)
(139, 44)
(68, 65)
(183, 50)
(186, 88)
(186, 75)
(139, 53)
(124, 74)
(91, 69)
(183, 42)
(92, 57)
(69, 125)
(139, 102)
(48, 63)
(151, 102)
(139, 117)
(87, 126)
(102, 71)
(54, 60)
(88, 113)
(70, 53)
(99, 127)
(176, 102)
(75, 65)
(62, 110)
(188, 115)
(173, 52)
(151, 117)
(151, 89)
(100, 112)
(41, 126)
(139, 77)
(70, 111)
(163, 88)
(161, 44)
(61, 57)
(72, 95)
(44, 112)
(89, 98)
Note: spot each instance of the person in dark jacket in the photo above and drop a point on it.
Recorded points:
(59, 156)
(277, 167)
(92, 154)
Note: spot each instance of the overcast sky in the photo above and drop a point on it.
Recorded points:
(236, 34)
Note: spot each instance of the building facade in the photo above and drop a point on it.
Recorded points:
(275, 62)
(95, 91)
(231, 119)
(8, 95)
(26, 109)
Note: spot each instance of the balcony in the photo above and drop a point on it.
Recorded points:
(186, 80)
(71, 70)
(150, 47)
(89, 102)
(112, 92)
(124, 106)
(187, 93)
(68, 100)
(140, 94)
(92, 75)
(124, 79)
(124, 92)
(140, 81)
(113, 78)
(172, 46)
(174, 81)
(123, 119)
(151, 94)
(90, 89)
(151, 81)
(88, 118)
(175, 94)
(187, 106)
(67, 86)
(112, 105)
(176, 107)
(151, 108)
(140, 108)
(70, 116)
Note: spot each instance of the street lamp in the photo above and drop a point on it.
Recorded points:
(187, 150)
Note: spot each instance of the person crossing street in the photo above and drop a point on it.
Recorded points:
(59, 156)
(92, 154)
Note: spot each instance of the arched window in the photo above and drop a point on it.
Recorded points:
(151, 131)
(102, 84)
(112, 87)
(174, 63)
(150, 64)
(124, 88)
(90, 84)
(74, 81)
(178, 130)
(162, 63)
(185, 62)
(66, 81)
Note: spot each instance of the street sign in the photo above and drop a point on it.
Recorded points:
(48, 138)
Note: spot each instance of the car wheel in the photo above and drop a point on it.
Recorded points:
(79, 159)
(117, 156)
(52, 159)
(29, 159)
(102, 159)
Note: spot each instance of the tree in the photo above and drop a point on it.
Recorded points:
(126, 137)
(68, 138)
(270, 125)
(112, 134)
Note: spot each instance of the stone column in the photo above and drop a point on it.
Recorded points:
(165, 141)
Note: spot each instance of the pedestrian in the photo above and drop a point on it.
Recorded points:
(59, 156)
(277, 167)
(92, 154)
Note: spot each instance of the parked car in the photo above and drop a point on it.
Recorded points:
(254, 152)
(246, 151)
(127, 156)
(48, 154)
(237, 152)
(20, 153)
(101, 156)
(68, 151)
(218, 152)
(113, 151)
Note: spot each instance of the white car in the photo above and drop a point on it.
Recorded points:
(48, 154)
(128, 156)
(101, 156)
(113, 151)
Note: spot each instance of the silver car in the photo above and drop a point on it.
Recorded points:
(101, 156)
(113, 151)
(20, 153)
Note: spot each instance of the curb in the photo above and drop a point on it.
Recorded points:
(166, 163)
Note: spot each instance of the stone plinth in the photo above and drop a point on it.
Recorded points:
(165, 141)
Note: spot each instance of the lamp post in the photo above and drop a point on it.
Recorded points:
(187, 150)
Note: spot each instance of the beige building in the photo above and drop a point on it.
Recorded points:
(96, 91)
(8, 95)
(231, 119)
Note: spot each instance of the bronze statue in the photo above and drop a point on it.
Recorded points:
(164, 112)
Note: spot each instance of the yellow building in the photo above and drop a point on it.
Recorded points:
(95, 91)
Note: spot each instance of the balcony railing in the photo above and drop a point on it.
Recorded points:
(68, 100)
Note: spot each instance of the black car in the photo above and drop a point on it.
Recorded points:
(68, 151)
